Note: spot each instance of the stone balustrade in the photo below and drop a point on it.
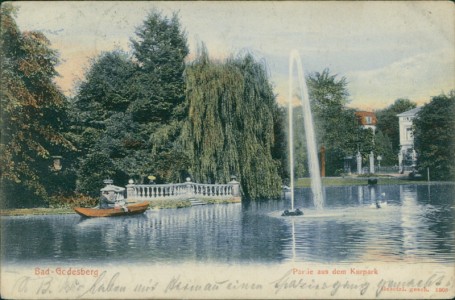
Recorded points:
(182, 191)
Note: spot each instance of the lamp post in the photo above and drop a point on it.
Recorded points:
(57, 166)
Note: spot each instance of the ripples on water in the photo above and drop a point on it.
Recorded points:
(416, 226)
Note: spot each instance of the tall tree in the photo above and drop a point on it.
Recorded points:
(299, 142)
(160, 49)
(107, 86)
(383, 147)
(280, 145)
(434, 137)
(336, 125)
(103, 132)
(230, 128)
(131, 108)
(388, 122)
(33, 112)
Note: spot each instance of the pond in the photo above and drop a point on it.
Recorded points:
(416, 226)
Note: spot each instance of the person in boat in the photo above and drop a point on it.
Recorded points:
(112, 197)
(107, 200)
(120, 203)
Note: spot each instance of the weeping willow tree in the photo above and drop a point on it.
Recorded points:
(230, 126)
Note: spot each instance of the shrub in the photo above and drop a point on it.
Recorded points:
(81, 200)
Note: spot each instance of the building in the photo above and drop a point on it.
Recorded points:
(367, 119)
(407, 156)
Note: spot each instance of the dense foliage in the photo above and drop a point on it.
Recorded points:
(128, 110)
(32, 116)
(434, 137)
(337, 128)
(159, 49)
(102, 129)
(389, 131)
(150, 113)
(230, 128)
(383, 147)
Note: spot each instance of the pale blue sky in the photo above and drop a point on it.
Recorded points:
(386, 50)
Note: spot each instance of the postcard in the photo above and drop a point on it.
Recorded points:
(227, 150)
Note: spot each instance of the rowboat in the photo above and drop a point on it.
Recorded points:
(132, 209)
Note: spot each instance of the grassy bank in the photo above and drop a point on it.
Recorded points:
(163, 204)
(35, 211)
(222, 201)
(344, 181)
(156, 204)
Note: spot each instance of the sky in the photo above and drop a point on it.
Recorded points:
(385, 50)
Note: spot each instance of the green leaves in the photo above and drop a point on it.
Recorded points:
(434, 137)
(388, 122)
(160, 48)
(230, 128)
(130, 107)
(107, 84)
(336, 125)
(33, 110)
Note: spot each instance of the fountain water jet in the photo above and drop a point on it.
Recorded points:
(313, 162)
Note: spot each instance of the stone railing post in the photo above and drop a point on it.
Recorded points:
(186, 190)
(130, 191)
(359, 163)
(371, 163)
(189, 187)
(235, 186)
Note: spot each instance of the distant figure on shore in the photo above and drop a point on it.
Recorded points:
(379, 203)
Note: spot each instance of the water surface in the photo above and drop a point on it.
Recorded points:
(416, 226)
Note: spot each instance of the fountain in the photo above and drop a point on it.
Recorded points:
(313, 162)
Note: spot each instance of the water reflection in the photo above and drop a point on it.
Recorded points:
(360, 193)
(416, 226)
(409, 219)
(400, 231)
